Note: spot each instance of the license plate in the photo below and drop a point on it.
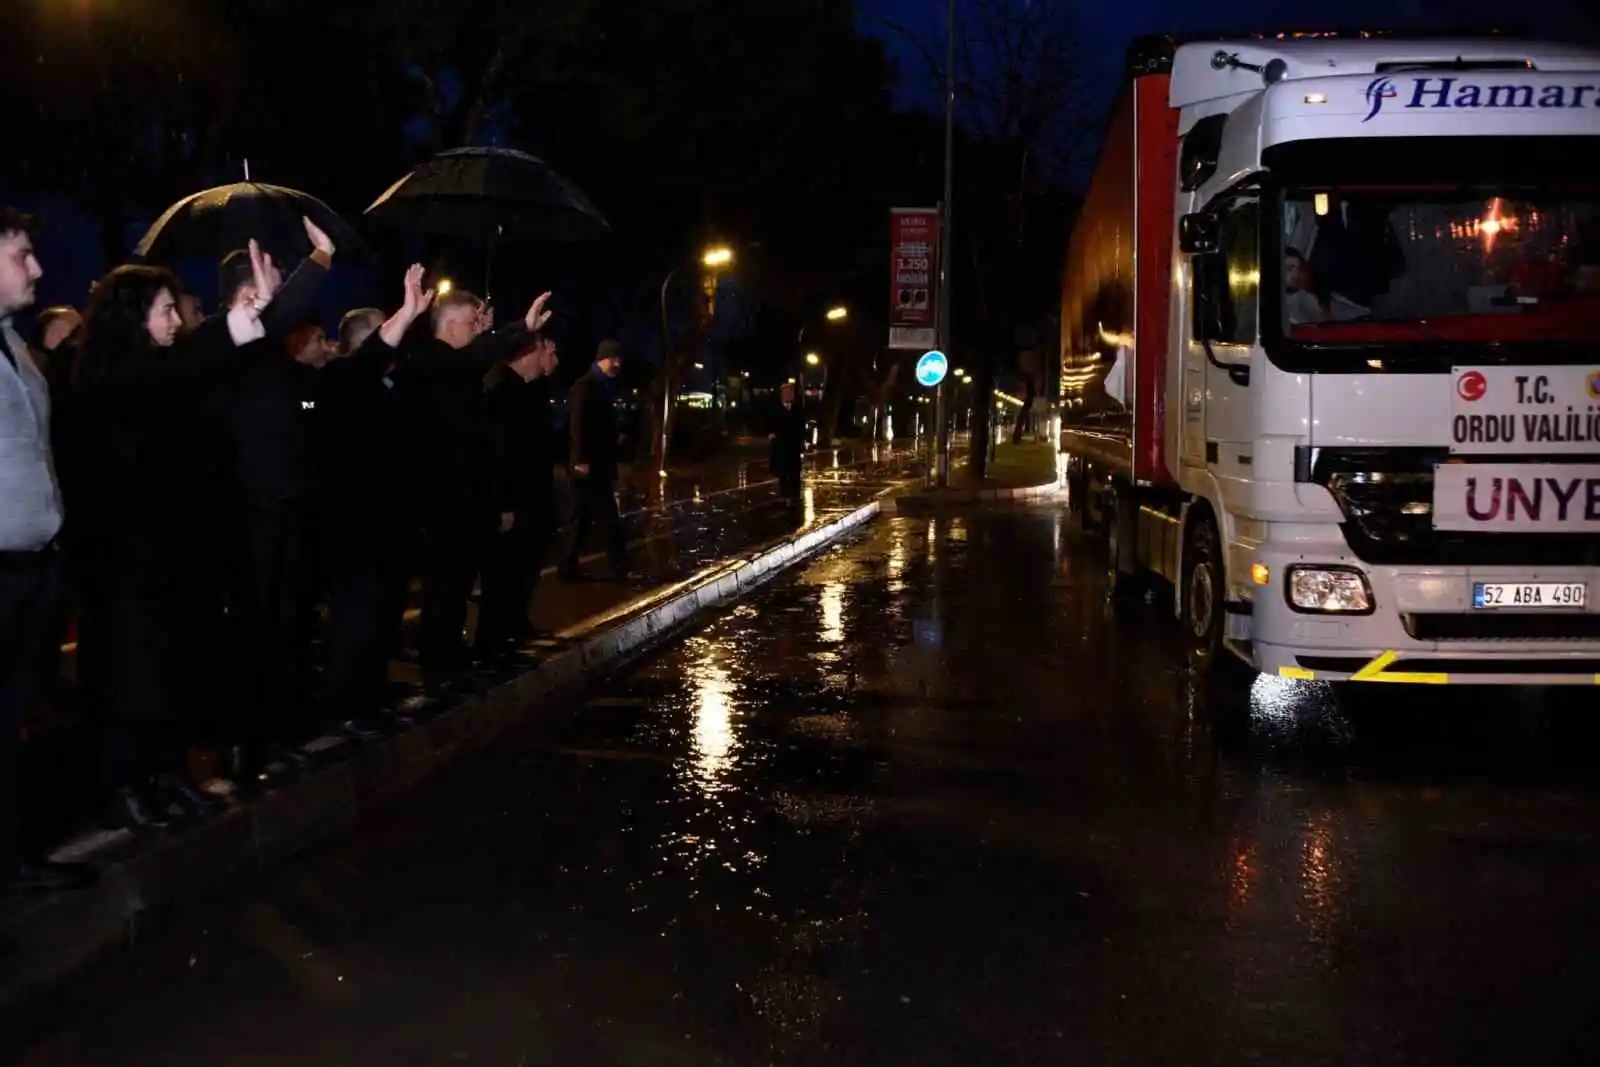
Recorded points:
(1530, 595)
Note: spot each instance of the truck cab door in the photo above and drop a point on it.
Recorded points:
(1223, 298)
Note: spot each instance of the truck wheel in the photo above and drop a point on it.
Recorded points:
(1125, 578)
(1204, 589)
(1079, 486)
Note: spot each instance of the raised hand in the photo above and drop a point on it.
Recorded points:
(265, 274)
(417, 300)
(537, 315)
(320, 241)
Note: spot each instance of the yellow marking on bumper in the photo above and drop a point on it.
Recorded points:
(1377, 671)
(1297, 672)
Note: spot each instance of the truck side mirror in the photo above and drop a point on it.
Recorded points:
(1199, 233)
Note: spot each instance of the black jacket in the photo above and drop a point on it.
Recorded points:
(362, 436)
(592, 435)
(523, 416)
(138, 462)
(266, 413)
(788, 437)
(458, 447)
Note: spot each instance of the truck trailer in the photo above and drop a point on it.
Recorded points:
(1330, 354)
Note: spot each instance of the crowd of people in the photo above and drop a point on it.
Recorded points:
(205, 495)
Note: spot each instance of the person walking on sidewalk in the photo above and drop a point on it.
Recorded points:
(520, 397)
(787, 444)
(30, 564)
(592, 449)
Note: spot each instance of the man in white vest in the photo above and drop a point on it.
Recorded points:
(30, 564)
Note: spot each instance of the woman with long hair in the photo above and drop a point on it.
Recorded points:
(136, 478)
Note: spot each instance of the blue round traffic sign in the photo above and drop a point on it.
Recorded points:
(931, 368)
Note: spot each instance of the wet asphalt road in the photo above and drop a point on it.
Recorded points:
(923, 803)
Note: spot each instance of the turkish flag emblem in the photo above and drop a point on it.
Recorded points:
(1471, 386)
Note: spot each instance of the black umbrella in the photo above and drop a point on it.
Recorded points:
(489, 195)
(211, 223)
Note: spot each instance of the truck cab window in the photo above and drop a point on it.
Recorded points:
(1227, 283)
(1439, 263)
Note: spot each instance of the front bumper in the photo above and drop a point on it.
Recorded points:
(1415, 607)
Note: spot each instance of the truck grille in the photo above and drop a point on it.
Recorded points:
(1387, 499)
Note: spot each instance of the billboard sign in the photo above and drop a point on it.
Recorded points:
(913, 277)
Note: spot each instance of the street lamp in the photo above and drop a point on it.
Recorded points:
(443, 286)
(834, 315)
(714, 258)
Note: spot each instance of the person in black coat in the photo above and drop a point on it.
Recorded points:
(786, 447)
(366, 506)
(263, 415)
(458, 470)
(520, 398)
(592, 447)
(144, 528)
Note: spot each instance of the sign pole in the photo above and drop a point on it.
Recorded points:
(942, 401)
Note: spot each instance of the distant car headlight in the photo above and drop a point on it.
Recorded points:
(1327, 590)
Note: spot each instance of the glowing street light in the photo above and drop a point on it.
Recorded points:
(717, 256)
(699, 366)
(443, 286)
(834, 315)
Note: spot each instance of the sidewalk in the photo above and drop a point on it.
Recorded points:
(1018, 472)
(717, 553)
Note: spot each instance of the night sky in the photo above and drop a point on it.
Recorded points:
(1106, 28)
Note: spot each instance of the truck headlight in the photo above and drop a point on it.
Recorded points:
(1327, 590)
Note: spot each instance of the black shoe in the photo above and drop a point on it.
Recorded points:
(137, 808)
(365, 727)
(193, 802)
(397, 719)
(490, 656)
(40, 876)
(254, 768)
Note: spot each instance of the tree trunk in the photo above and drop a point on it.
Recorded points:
(828, 411)
(982, 414)
(1024, 412)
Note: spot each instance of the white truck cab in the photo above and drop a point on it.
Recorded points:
(1368, 445)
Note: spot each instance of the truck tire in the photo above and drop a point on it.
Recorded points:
(1126, 580)
(1204, 590)
(1079, 486)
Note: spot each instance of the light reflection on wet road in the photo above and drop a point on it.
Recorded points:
(925, 803)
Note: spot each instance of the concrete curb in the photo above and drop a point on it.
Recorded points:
(54, 936)
(935, 499)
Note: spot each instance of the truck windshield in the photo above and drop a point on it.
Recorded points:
(1370, 264)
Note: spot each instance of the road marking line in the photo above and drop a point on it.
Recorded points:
(1377, 671)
